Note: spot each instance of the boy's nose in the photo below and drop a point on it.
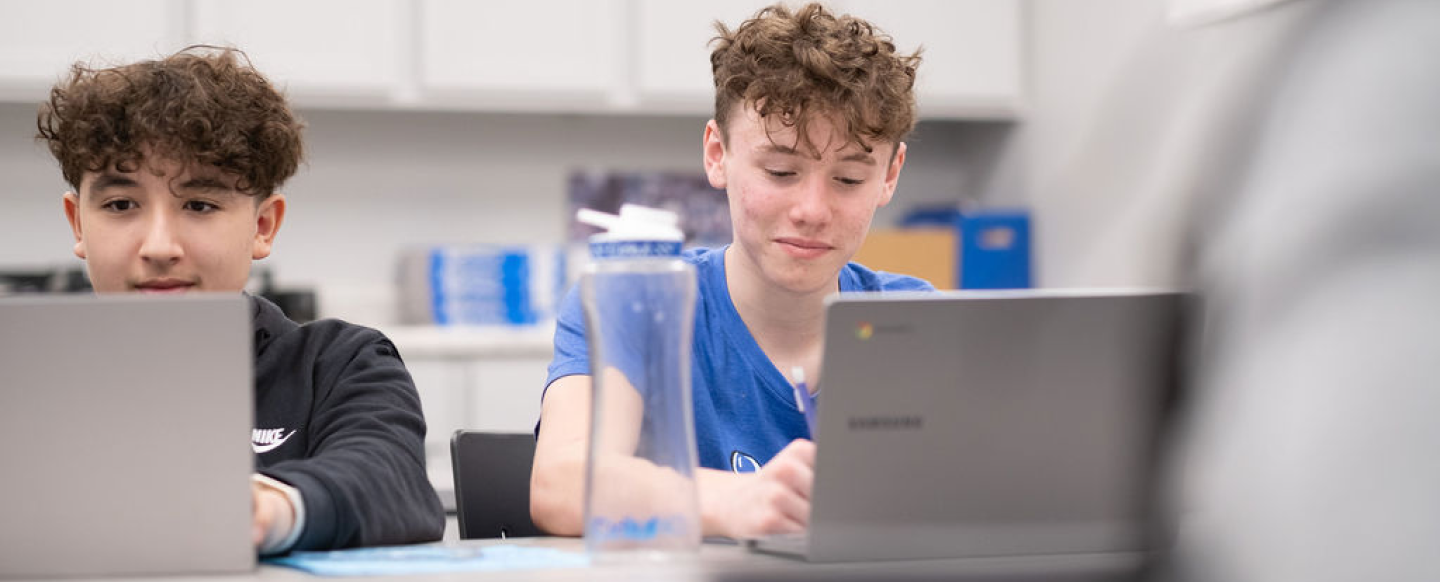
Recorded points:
(161, 245)
(812, 204)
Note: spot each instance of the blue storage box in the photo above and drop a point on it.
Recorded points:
(994, 244)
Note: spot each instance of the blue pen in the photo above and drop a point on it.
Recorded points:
(803, 399)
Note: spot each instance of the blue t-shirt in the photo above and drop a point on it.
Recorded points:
(744, 406)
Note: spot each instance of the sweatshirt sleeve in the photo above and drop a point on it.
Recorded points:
(363, 481)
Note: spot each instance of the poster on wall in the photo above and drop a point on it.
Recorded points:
(704, 215)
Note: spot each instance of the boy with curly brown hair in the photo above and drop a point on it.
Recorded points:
(175, 165)
(811, 110)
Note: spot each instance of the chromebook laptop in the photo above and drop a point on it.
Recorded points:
(125, 435)
(968, 424)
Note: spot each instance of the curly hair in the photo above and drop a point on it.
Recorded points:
(200, 106)
(795, 65)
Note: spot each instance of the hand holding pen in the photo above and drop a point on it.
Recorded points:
(804, 400)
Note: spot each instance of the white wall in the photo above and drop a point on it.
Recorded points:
(33, 231)
(1096, 74)
(1125, 141)
(377, 182)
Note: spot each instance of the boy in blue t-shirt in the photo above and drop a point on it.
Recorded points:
(810, 113)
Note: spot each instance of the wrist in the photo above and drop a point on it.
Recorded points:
(285, 530)
(715, 487)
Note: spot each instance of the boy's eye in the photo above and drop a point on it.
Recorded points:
(118, 205)
(849, 181)
(779, 173)
(200, 206)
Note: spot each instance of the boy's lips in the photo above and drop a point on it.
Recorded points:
(803, 247)
(164, 286)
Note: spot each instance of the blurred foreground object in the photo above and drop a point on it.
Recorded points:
(1309, 449)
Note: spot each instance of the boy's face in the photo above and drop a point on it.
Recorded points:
(187, 229)
(797, 220)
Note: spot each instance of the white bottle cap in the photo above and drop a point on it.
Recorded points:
(634, 223)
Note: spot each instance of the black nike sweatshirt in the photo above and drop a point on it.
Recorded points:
(340, 421)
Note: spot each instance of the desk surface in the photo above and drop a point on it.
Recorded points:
(731, 562)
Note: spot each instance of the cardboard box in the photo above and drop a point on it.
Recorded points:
(928, 253)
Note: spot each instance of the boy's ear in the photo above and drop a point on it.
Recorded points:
(892, 174)
(72, 214)
(714, 155)
(269, 213)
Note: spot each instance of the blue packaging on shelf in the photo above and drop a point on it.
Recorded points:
(483, 284)
(994, 244)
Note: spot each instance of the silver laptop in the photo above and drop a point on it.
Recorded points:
(125, 435)
(969, 424)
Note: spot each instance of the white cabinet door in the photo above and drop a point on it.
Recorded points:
(40, 40)
(971, 64)
(553, 55)
(318, 50)
(672, 57)
(442, 386)
(972, 61)
(505, 393)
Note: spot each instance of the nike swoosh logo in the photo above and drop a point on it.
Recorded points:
(259, 448)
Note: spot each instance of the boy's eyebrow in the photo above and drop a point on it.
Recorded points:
(204, 183)
(861, 157)
(109, 179)
(775, 148)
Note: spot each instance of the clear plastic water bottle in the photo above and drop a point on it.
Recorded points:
(639, 299)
